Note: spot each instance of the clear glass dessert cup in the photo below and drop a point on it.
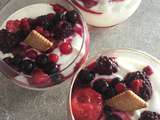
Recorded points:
(70, 62)
(141, 60)
(108, 12)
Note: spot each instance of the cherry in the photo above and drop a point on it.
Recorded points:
(87, 104)
(65, 48)
(53, 58)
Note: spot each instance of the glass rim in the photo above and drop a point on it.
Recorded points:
(84, 37)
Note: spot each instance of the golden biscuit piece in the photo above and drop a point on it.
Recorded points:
(38, 41)
(127, 101)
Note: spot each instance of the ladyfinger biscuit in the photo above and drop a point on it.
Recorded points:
(127, 101)
(38, 41)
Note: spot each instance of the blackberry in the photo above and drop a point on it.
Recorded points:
(106, 65)
(57, 18)
(146, 89)
(27, 66)
(85, 76)
(63, 29)
(72, 17)
(148, 115)
(8, 41)
(100, 86)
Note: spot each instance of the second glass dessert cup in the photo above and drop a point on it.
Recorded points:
(67, 55)
(132, 71)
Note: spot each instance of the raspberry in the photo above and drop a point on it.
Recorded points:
(148, 115)
(87, 104)
(63, 30)
(25, 25)
(13, 25)
(66, 48)
(136, 85)
(120, 87)
(148, 70)
(106, 65)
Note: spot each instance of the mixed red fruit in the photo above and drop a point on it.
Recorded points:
(90, 92)
(43, 66)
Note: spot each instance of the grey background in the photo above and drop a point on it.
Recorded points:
(141, 31)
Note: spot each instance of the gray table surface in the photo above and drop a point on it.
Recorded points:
(141, 31)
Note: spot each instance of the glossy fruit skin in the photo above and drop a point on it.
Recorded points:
(66, 48)
(87, 104)
(53, 58)
(27, 66)
(85, 76)
(42, 60)
(51, 68)
(100, 85)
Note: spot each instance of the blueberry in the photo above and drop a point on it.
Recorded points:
(16, 61)
(109, 93)
(27, 66)
(57, 78)
(85, 76)
(72, 17)
(100, 85)
(42, 60)
(114, 81)
(51, 68)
